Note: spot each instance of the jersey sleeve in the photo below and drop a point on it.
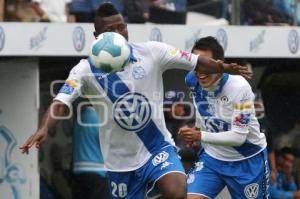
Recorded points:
(168, 57)
(243, 110)
(72, 87)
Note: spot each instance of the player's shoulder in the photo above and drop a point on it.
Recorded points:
(140, 47)
(238, 88)
(237, 82)
(190, 79)
(147, 44)
(81, 67)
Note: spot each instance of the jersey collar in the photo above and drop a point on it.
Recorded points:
(218, 88)
(131, 57)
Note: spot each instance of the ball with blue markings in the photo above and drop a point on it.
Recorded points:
(110, 52)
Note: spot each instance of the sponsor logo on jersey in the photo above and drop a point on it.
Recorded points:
(132, 111)
(71, 83)
(160, 158)
(185, 55)
(242, 120)
(243, 106)
(78, 38)
(174, 52)
(67, 89)
(251, 191)
(138, 72)
(293, 41)
(165, 165)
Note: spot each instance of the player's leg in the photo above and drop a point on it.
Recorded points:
(249, 178)
(167, 174)
(203, 181)
(173, 186)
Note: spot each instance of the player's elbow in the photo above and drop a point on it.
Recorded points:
(239, 139)
(58, 108)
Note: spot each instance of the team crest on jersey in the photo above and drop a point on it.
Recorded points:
(251, 191)
(138, 72)
(224, 100)
(160, 158)
(199, 166)
(132, 111)
(191, 178)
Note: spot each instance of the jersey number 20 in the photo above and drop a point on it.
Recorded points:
(119, 190)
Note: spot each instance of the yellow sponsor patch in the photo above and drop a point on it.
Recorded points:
(243, 106)
(174, 52)
(71, 83)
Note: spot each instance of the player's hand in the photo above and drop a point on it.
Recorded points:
(236, 69)
(190, 135)
(37, 138)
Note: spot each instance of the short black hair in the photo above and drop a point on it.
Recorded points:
(287, 150)
(106, 9)
(210, 43)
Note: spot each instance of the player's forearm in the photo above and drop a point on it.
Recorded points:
(51, 117)
(36, 7)
(228, 138)
(206, 65)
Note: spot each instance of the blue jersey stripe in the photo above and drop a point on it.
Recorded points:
(247, 149)
(112, 84)
(150, 135)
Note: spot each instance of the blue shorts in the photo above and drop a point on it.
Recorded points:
(135, 184)
(247, 178)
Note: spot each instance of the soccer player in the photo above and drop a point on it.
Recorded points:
(234, 151)
(137, 149)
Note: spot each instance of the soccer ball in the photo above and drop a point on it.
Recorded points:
(109, 52)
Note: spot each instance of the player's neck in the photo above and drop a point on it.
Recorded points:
(214, 85)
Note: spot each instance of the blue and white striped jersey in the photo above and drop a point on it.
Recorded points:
(229, 106)
(129, 102)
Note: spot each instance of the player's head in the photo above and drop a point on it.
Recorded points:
(108, 19)
(209, 47)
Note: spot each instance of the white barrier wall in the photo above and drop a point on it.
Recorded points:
(19, 98)
(46, 39)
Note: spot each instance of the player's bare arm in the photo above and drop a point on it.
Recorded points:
(48, 121)
(207, 65)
